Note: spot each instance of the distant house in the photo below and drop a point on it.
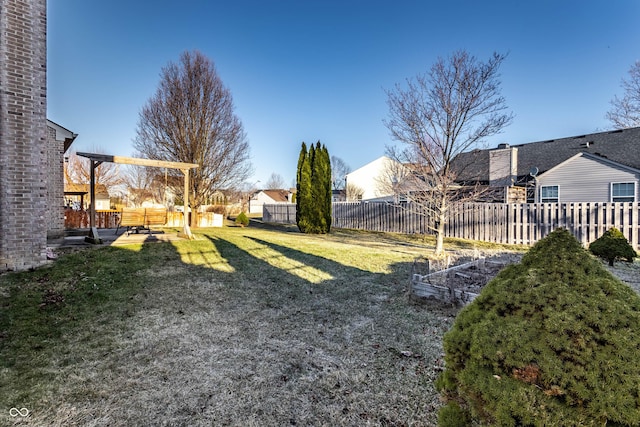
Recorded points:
(599, 167)
(379, 180)
(77, 197)
(338, 195)
(259, 198)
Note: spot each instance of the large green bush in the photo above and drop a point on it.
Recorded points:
(552, 341)
(612, 245)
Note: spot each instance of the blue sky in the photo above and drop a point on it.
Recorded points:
(318, 70)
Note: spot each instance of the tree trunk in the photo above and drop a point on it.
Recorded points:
(193, 219)
(442, 209)
(440, 235)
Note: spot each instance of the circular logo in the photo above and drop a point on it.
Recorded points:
(14, 412)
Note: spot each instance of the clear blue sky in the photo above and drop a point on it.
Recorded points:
(317, 70)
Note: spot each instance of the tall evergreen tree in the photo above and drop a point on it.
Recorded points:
(313, 201)
(322, 187)
(303, 188)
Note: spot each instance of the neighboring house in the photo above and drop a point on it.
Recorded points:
(599, 167)
(588, 178)
(259, 198)
(338, 195)
(77, 197)
(59, 140)
(379, 180)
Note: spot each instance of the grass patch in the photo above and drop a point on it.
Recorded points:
(243, 326)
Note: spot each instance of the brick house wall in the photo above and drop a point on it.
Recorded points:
(55, 185)
(23, 134)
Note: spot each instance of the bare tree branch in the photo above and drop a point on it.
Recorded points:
(354, 193)
(275, 182)
(625, 111)
(339, 169)
(78, 171)
(439, 115)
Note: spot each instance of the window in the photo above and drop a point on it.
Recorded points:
(549, 194)
(623, 192)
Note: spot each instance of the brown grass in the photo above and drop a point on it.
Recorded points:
(242, 327)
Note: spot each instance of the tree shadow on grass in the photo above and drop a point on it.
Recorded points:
(211, 331)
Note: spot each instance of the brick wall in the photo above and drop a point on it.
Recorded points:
(55, 185)
(23, 134)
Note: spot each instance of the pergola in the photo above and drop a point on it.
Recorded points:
(97, 159)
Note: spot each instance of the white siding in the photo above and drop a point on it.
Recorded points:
(373, 178)
(586, 179)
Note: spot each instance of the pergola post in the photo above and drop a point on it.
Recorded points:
(186, 230)
(93, 236)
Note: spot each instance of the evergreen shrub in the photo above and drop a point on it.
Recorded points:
(242, 219)
(551, 341)
(612, 245)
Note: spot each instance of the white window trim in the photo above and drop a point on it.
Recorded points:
(553, 185)
(635, 190)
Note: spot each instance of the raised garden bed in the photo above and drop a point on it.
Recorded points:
(459, 284)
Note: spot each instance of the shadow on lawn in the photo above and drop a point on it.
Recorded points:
(315, 302)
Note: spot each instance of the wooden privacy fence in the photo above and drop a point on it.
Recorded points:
(489, 222)
(281, 213)
(110, 219)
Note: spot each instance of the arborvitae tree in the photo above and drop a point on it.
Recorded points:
(303, 189)
(313, 213)
(313, 201)
(327, 185)
(552, 341)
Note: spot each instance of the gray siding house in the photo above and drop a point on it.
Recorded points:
(588, 178)
(599, 167)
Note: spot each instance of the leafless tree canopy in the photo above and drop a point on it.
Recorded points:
(397, 178)
(339, 169)
(275, 182)
(145, 184)
(191, 119)
(354, 193)
(625, 111)
(440, 114)
(78, 171)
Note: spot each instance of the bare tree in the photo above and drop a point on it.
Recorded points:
(78, 171)
(439, 115)
(396, 179)
(143, 184)
(191, 119)
(339, 169)
(625, 112)
(275, 182)
(354, 193)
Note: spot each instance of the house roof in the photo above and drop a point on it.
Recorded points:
(597, 159)
(62, 134)
(620, 146)
(277, 195)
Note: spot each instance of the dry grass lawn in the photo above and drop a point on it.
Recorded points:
(241, 327)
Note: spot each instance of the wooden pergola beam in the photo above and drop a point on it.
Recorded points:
(137, 161)
(97, 159)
